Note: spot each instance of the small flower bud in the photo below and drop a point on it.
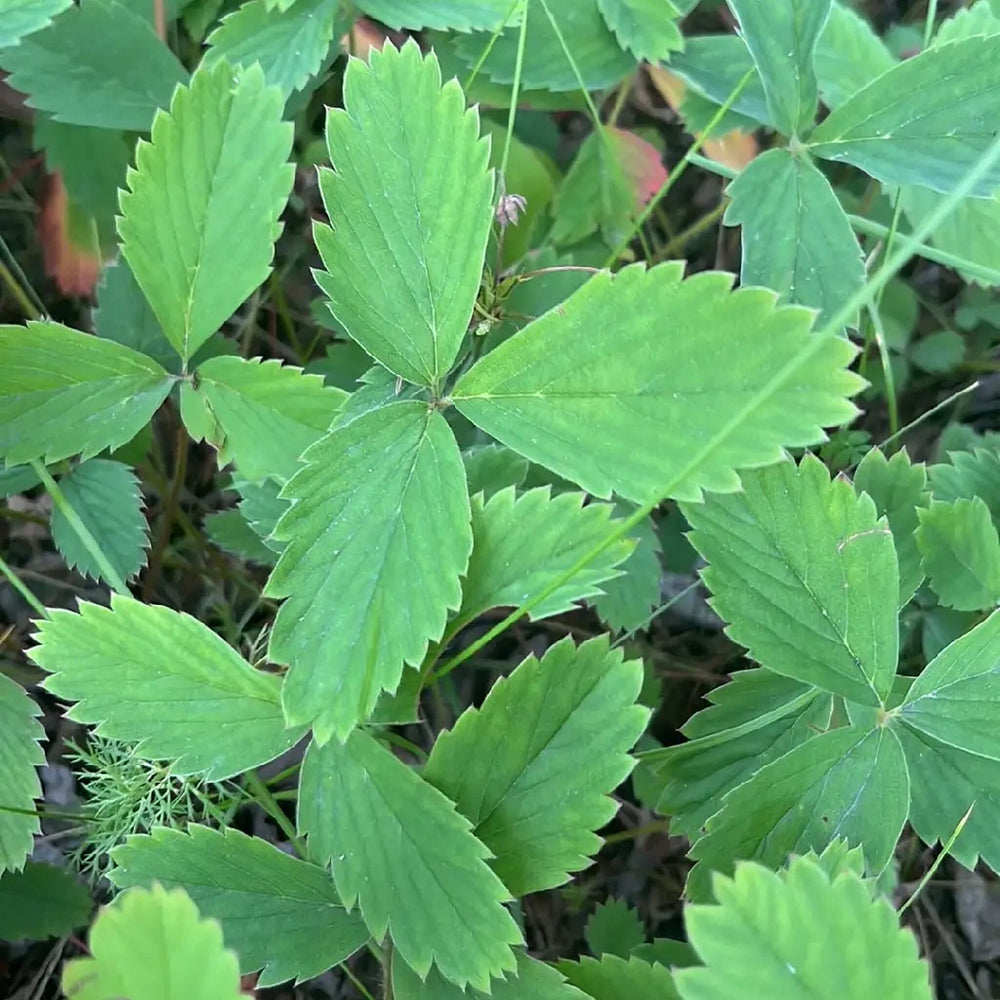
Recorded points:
(509, 209)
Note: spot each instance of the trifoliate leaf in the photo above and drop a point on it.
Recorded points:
(847, 783)
(279, 914)
(290, 45)
(961, 553)
(796, 236)
(152, 943)
(968, 474)
(614, 928)
(264, 414)
(64, 393)
(611, 978)
(522, 544)
(20, 755)
(199, 250)
(565, 391)
(146, 674)
(402, 131)
(23, 17)
(533, 767)
(806, 575)
(118, 83)
(628, 599)
(378, 537)
(799, 934)
(381, 826)
(596, 55)
(453, 15)
(849, 55)
(41, 901)
(898, 488)
(107, 498)
(782, 40)
(647, 27)
(490, 468)
(926, 121)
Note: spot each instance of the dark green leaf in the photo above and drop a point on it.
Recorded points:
(41, 901)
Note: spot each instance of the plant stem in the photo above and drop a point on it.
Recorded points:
(23, 589)
(169, 512)
(261, 794)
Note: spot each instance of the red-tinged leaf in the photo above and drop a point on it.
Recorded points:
(640, 161)
(69, 240)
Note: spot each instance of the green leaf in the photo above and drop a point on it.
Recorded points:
(806, 575)
(23, 17)
(849, 55)
(107, 498)
(612, 978)
(279, 914)
(533, 767)
(796, 235)
(152, 943)
(521, 544)
(782, 38)
(263, 507)
(800, 934)
(146, 674)
(41, 901)
(118, 83)
(940, 352)
(490, 468)
(898, 488)
(968, 474)
(403, 131)
(961, 553)
(566, 392)
(976, 19)
(378, 537)
(614, 928)
(847, 783)
(647, 27)
(454, 15)
(199, 253)
(289, 45)
(383, 827)
(264, 414)
(597, 56)
(232, 533)
(20, 754)
(926, 121)
(628, 599)
(64, 393)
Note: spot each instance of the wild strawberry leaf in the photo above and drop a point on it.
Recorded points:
(200, 247)
(614, 928)
(23, 17)
(382, 828)
(453, 15)
(611, 977)
(968, 474)
(401, 130)
(646, 27)
(378, 536)
(20, 755)
(64, 393)
(628, 599)
(849, 55)
(41, 901)
(565, 390)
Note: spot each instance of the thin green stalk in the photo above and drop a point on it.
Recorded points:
(15, 289)
(654, 614)
(929, 22)
(930, 413)
(262, 795)
(22, 588)
(358, 985)
(484, 55)
(108, 571)
(695, 229)
(942, 854)
(522, 38)
(875, 318)
(19, 285)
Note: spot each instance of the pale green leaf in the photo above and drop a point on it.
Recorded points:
(968, 474)
(400, 849)
(599, 59)
(20, 755)
(118, 83)
(279, 914)
(64, 393)
(490, 468)
(848, 783)
(454, 15)
(378, 537)
(782, 38)
(961, 553)
(798, 935)
(566, 391)
(152, 943)
(41, 901)
(23, 17)
(612, 978)
(647, 27)
(200, 217)
(796, 236)
(533, 767)
(403, 283)
(926, 121)
(263, 507)
(290, 45)
(806, 575)
(898, 488)
(264, 414)
(628, 599)
(614, 928)
(849, 55)
(107, 498)
(942, 351)
(147, 674)
(976, 19)
(231, 531)
(523, 543)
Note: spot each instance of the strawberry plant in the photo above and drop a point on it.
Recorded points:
(520, 417)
